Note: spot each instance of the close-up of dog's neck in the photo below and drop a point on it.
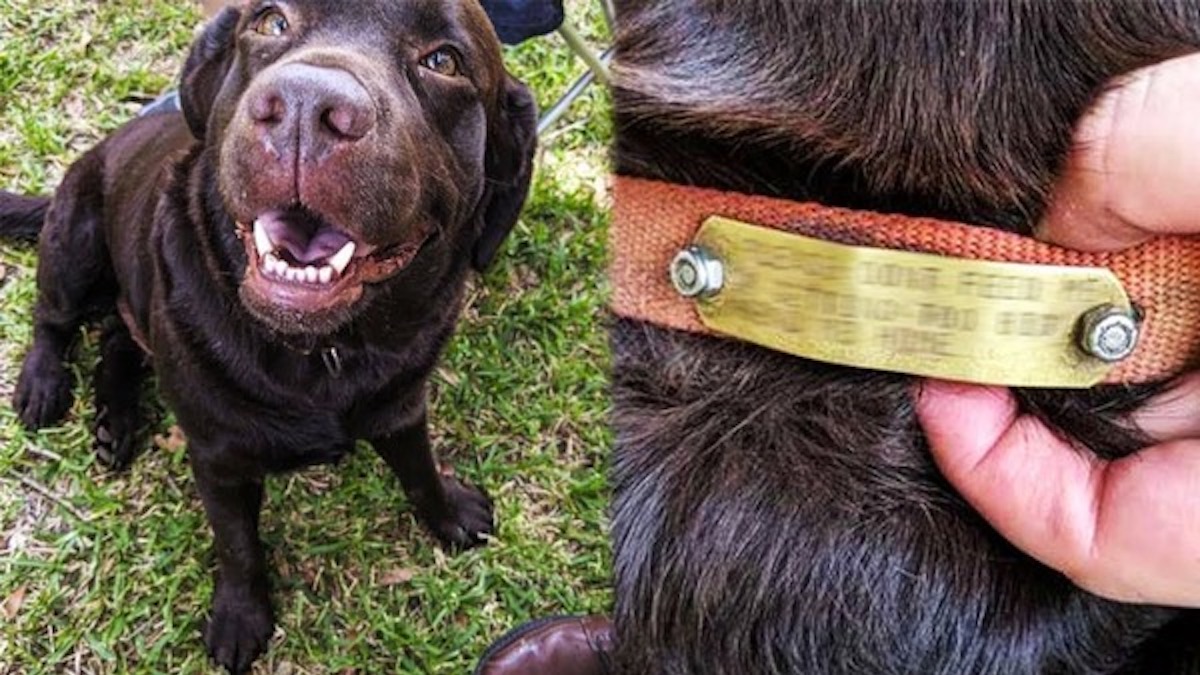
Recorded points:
(960, 110)
(818, 475)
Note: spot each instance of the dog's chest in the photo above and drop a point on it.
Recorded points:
(291, 408)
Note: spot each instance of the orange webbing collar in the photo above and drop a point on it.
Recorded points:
(652, 221)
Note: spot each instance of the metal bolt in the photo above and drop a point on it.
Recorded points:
(1108, 333)
(695, 272)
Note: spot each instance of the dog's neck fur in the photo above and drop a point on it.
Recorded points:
(958, 110)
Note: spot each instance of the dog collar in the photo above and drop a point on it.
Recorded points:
(903, 294)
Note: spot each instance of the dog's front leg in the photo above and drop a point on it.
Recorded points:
(458, 514)
(241, 622)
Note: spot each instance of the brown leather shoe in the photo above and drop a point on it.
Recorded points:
(566, 645)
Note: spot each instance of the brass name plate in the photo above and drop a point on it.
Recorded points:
(952, 318)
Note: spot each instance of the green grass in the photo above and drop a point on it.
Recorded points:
(111, 573)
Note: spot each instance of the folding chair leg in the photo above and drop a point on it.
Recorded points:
(551, 115)
(577, 45)
(597, 70)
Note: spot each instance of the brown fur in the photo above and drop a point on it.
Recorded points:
(775, 515)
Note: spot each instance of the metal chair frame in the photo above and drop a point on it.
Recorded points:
(597, 71)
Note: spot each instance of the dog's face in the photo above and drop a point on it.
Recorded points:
(357, 145)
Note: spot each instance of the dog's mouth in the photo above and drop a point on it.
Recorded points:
(300, 262)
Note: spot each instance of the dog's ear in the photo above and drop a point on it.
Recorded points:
(205, 69)
(512, 140)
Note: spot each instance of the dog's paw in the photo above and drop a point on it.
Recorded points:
(238, 630)
(114, 437)
(43, 393)
(465, 519)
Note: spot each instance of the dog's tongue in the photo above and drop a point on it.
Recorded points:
(305, 238)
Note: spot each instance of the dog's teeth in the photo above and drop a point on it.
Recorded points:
(274, 266)
(261, 241)
(341, 260)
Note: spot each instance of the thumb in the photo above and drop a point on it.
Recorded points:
(1131, 172)
(1124, 530)
(1011, 468)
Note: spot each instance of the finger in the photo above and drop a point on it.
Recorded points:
(1146, 546)
(1123, 530)
(1172, 415)
(1130, 172)
(1031, 486)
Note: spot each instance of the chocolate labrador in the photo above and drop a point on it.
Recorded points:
(778, 515)
(291, 251)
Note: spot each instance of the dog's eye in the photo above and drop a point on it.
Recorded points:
(272, 23)
(441, 61)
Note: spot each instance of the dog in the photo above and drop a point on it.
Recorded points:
(777, 515)
(289, 251)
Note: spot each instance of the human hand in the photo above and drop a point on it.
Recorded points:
(1127, 529)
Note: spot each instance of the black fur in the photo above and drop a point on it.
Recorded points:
(774, 515)
(22, 216)
(145, 226)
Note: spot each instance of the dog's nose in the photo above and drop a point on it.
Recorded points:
(314, 105)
